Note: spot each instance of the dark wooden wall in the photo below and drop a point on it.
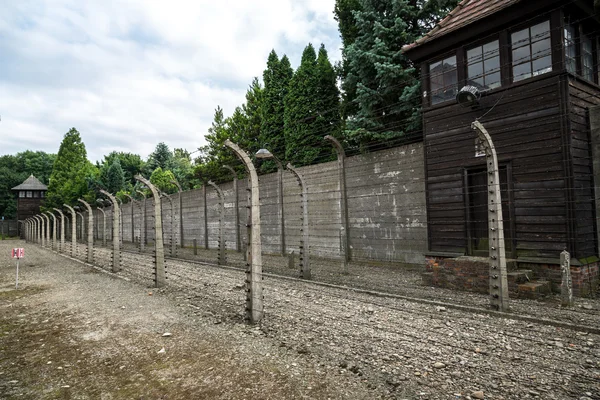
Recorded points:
(527, 126)
(28, 207)
(582, 95)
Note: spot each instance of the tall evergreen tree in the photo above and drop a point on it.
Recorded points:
(115, 178)
(381, 87)
(311, 109)
(276, 79)
(384, 82)
(160, 157)
(70, 173)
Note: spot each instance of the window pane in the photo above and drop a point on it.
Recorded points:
(492, 64)
(520, 38)
(542, 65)
(521, 54)
(541, 30)
(493, 80)
(521, 71)
(490, 49)
(475, 70)
(540, 49)
(450, 62)
(443, 80)
(474, 55)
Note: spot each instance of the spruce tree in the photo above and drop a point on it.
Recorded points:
(382, 78)
(276, 79)
(115, 178)
(311, 109)
(70, 173)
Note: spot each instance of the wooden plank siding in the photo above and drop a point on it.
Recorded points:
(527, 127)
(582, 95)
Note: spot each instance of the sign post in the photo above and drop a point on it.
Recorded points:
(18, 253)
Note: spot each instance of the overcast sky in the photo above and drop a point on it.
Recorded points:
(131, 73)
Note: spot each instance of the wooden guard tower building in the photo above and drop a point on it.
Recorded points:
(30, 197)
(530, 69)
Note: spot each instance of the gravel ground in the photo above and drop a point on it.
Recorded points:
(314, 342)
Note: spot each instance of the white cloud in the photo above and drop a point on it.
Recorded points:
(129, 74)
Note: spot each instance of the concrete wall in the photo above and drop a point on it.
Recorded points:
(386, 208)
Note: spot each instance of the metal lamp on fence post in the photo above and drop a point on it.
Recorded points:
(265, 155)
(254, 286)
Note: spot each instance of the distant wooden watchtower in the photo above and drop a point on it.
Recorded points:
(30, 196)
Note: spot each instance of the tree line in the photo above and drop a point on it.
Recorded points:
(371, 98)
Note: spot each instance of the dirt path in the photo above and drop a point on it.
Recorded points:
(102, 336)
(71, 332)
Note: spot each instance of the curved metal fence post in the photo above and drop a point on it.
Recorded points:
(236, 209)
(304, 243)
(341, 155)
(222, 260)
(498, 274)
(116, 264)
(160, 273)
(254, 285)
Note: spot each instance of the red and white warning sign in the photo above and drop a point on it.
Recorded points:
(18, 253)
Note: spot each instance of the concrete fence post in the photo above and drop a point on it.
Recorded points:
(73, 230)
(46, 225)
(116, 257)
(498, 273)
(236, 209)
(81, 226)
(131, 219)
(171, 225)
(54, 243)
(254, 285)
(143, 224)
(103, 226)
(566, 287)
(304, 241)
(222, 258)
(61, 249)
(40, 228)
(90, 231)
(341, 156)
(205, 216)
(180, 207)
(47, 229)
(160, 273)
